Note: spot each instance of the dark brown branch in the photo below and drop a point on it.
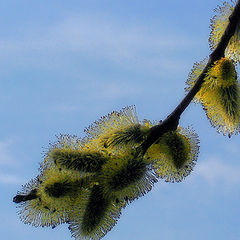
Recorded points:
(23, 198)
(171, 122)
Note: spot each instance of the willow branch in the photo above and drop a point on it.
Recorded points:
(171, 122)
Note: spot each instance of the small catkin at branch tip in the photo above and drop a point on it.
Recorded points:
(219, 95)
(22, 198)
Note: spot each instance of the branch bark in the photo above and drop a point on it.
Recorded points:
(171, 122)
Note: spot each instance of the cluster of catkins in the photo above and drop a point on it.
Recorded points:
(220, 92)
(87, 182)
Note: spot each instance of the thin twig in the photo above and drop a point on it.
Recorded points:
(171, 122)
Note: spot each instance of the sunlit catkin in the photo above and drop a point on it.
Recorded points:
(117, 129)
(127, 177)
(97, 218)
(87, 182)
(218, 26)
(56, 192)
(219, 94)
(80, 160)
(175, 154)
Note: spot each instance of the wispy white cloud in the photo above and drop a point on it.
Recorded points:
(99, 38)
(110, 90)
(111, 39)
(6, 178)
(64, 108)
(92, 91)
(232, 148)
(216, 171)
(118, 90)
(6, 158)
(8, 164)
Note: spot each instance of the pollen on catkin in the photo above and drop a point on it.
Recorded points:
(76, 159)
(218, 26)
(117, 129)
(56, 193)
(132, 135)
(127, 176)
(98, 217)
(65, 142)
(219, 94)
(175, 154)
(87, 182)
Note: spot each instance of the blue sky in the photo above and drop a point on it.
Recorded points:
(64, 64)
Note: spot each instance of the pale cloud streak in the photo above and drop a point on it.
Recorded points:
(64, 108)
(216, 171)
(109, 38)
(110, 90)
(8, 164)
(6, 158)
(97, 91)
(6, 178)
(98, 38)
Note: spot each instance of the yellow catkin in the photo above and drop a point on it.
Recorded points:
(219, 94)
(116, 129)
(127, 176)
(46, 210)
(98, 217)
(218, 26)
(175, 154)
(86, 182)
